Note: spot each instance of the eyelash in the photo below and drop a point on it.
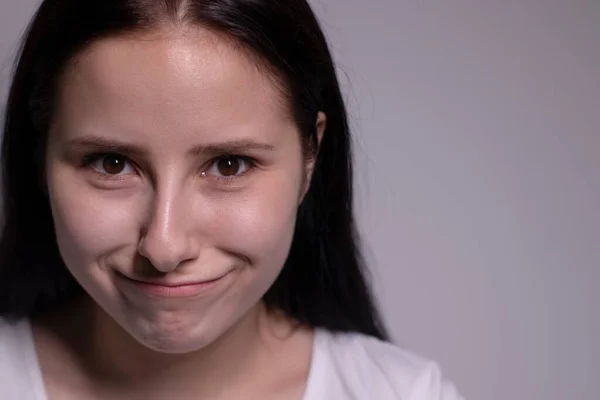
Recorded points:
(89, 159)
(250, 166)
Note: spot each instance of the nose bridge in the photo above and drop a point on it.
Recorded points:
(165, 239)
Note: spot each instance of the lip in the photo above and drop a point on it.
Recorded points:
(170, 289)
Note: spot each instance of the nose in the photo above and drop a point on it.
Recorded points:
(166, 239)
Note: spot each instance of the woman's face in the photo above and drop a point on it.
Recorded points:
(174, 172)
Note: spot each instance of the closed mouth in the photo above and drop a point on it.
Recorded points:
(164, 288)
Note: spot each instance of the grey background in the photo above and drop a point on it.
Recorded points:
(478, 181)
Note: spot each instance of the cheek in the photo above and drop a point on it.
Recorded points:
(87, 225)
(260, 223)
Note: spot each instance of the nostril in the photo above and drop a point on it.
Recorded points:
(164, 254)
(166, 236)
(144, 267)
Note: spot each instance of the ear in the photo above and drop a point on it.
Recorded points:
(321, 125)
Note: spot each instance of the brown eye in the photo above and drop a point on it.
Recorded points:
(112, 164)
(229, 166)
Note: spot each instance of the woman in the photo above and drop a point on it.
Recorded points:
(178, 212)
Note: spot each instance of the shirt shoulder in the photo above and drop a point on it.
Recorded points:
(20, 376)
(357, 366)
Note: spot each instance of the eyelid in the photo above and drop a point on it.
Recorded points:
(89, 159)
(250, 163)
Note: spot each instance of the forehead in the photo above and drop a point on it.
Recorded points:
(186, 79)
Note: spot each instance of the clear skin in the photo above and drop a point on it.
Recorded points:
(164, 206)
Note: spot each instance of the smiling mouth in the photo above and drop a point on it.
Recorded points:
(168, 289)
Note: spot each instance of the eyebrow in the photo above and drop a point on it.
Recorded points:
(115, 146)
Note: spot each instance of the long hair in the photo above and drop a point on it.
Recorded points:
(323, 282)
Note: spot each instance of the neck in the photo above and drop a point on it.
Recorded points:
(117, 366)
(129, 365)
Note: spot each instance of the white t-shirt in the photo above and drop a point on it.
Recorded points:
(345, 366)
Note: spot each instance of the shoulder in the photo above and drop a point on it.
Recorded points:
(18, 361)
(366, 367)
(12, 338)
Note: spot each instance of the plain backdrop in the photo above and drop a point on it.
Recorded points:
(477, 128)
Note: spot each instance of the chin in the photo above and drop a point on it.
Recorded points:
(175, 345)
(175, 339)
(183, 331)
